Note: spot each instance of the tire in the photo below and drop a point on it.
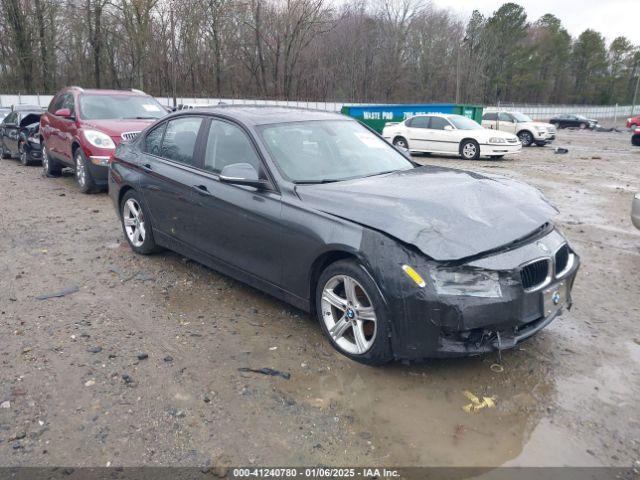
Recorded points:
(469, 150)
(583, 126)
(24, 156)
(139, 234)
(355, 324)
(496, 157)
(401, 142)
(526, 138)
(51, 167)
(3, 152)
(83, 174)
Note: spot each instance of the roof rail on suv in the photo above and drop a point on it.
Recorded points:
(135, 90)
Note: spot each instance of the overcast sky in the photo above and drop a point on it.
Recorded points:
(611, 18)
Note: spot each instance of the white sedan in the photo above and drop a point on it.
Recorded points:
(452, 135)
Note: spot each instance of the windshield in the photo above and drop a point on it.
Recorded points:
(464, 123)
(329, 151)
(521, 117)
(109, 107)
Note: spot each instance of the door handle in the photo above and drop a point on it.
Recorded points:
(147, 166)
(202, 189)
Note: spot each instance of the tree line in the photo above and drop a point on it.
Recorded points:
(318, 50)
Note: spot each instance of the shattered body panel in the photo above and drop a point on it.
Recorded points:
(438, 221)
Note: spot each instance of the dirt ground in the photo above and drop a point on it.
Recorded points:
(140, 365)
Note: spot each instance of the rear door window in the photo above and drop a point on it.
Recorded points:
(179, 141)
(419, 122)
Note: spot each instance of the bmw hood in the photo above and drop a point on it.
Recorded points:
(447, 214)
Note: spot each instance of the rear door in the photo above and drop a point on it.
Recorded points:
(168, 167)
(239, 225)
(51, 126)
(417, 132)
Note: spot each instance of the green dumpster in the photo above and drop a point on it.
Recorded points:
(377, 116)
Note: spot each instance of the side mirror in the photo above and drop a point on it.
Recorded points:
(64, 113)
(448, 128)
(242, 174)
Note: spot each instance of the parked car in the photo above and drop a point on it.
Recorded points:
(633, 122)
(396, 260)
(81, 129)
(573, 121)
(635, 210)
(19, 137)
(528, 131)
(450, 134)
(635, 138)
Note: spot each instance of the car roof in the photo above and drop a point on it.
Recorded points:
(104, 91)
(267, 114)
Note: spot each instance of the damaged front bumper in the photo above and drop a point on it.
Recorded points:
(535, 281)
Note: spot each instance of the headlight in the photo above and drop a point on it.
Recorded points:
(497, 140)
(474, 283)
(98, 139)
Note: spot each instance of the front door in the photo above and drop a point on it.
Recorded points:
(507, 123)
(240, 225)
(442, 136)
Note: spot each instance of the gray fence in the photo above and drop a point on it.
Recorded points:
(538, 112)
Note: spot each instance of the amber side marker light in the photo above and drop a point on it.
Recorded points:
(415, 276)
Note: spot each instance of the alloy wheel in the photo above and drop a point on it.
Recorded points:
(23, 154)
(526, 139)
(469, 150)
(45, 160)
(401, 143)
(81, 170)
(348, 314)
(133, 220)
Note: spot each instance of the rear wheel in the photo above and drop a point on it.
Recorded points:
(401, 142)
(351, 313)
(136, 225)
(50, 166)
(469, 150)
(83, 174)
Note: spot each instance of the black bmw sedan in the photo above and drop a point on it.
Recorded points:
(396, 260)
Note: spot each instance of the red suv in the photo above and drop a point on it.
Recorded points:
(81, 129)
(633, 122)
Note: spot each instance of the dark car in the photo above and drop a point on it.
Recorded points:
(573, 121)
(82, 128)
(19, 136)
(635, 138)
(395, 260)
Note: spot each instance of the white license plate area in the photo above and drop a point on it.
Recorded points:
(554, 298)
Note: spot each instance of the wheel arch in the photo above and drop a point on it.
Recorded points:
(467, 139)
(320, 263)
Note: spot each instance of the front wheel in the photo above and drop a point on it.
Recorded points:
(583, 126)
(351, 313)
(3, 152)
(83, 174)
(24, 156)
(136, 224)
(470, 150)
(50, 166)
(525, 138)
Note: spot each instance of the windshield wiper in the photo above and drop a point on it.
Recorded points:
(313, 182)
(380, 173)
(139, 117)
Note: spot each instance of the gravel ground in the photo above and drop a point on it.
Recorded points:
(139, 366)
